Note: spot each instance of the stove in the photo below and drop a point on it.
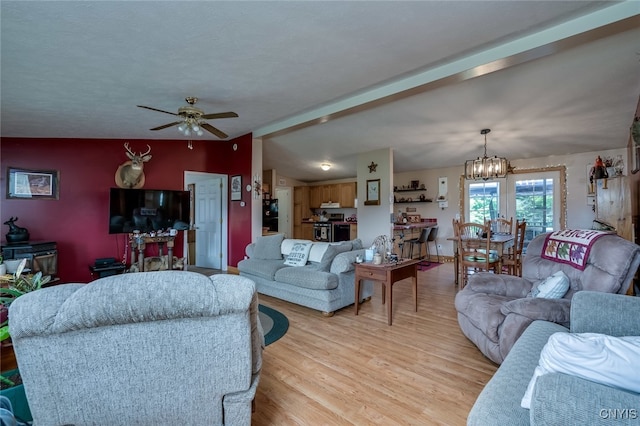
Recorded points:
(327, 231)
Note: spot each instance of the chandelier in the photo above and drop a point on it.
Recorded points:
(486, 167)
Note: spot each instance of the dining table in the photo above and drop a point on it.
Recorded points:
(499, 242)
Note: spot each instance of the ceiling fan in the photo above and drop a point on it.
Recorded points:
(192, 119)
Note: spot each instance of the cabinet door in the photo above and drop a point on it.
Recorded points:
(315, 196)
(307, 231)
(347, 194)
(334, 193)
(613, 204)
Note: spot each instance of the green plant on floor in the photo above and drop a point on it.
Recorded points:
(18, 286)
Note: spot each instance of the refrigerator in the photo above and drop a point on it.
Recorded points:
(270, 215)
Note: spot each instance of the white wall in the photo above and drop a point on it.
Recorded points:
(375, 220)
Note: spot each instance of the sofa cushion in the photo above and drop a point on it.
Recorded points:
(308, 277)
(343, 262)
(554, 287)
(298, 255)
(268, 247)
(329, 253)
(261, 268)
(595, 357)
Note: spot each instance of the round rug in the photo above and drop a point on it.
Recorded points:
(274, 324)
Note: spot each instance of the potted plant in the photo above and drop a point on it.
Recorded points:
(3, 267)
(10, 380)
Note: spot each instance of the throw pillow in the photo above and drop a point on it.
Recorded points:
(600, 358)
(554, 287)
(288, 243)
(268, 247)
(298, 255)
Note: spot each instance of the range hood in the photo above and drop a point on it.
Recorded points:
(330, 205)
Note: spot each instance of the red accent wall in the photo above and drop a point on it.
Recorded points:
(78, 221)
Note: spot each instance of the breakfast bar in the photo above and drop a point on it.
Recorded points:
(403, 232)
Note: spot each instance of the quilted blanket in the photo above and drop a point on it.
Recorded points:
(571, 246)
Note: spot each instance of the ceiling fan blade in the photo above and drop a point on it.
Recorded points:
(220, 115)
(156, 109)
(166, 125)
(217, 132)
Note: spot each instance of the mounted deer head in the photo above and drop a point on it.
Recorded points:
(130, 173)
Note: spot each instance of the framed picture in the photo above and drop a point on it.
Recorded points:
(373, 193)
(413, 218)
(236, 188)
(32, 184)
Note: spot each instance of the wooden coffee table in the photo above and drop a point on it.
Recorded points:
(387, 274)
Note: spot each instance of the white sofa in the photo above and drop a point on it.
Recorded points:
(324, 283)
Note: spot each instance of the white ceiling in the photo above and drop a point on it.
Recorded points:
(423, 77)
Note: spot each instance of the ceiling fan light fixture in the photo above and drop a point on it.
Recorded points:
(486, 167)
(192, 120)
(325, 166)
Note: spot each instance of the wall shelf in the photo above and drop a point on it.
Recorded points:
(413, 202)
(411, 190)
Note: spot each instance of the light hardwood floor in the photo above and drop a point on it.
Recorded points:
(357, 370)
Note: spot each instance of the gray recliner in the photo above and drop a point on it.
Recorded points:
(168, 347)
(494, 310)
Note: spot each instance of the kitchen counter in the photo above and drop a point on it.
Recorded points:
(416, 225)
(334, 222)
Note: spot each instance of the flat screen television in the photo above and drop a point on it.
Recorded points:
(147, 210)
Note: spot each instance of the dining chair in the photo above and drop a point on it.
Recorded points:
(512, 260)
(502, 225)
(474, 242)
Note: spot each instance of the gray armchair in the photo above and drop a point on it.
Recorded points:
(168, 347)
(494, 310)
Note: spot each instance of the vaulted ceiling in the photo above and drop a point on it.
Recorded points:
(323, 81)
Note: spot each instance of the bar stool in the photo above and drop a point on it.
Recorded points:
(432, 238)
(422, 239)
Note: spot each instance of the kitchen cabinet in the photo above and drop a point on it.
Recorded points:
(613, 204)
(306, 231)
(300, 209)
(331, 193)
(315, 196)
(353, 231)
(347, 194)
(343, 193)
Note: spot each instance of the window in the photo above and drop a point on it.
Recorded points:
(534, 201)
(537, 195)
(484, 201)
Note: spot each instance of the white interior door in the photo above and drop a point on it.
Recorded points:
(283, 195)
(208, 222)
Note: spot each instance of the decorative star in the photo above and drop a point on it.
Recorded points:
(372, 167)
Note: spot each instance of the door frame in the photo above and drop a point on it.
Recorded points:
(195, 177)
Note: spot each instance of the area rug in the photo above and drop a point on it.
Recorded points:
(427, 266)
(274, 324)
